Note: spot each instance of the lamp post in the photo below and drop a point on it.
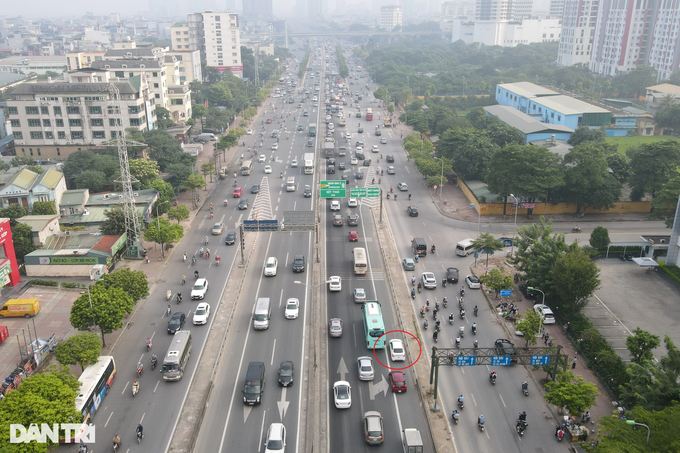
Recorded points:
(158, 224)
(512, 250)
(441, 179)
(633, 423)
(531, 288)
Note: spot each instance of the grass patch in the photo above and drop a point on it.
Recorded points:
(625, 143)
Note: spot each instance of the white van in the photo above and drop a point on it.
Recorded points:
(464, 247)
(263, 311)
(290, 184)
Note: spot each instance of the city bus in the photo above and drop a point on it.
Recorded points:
(369, 114)
(374, 327)
(360, 262)
(177, 356)
(95, 383)
(246, 167)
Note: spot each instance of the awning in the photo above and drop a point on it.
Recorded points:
(646, 262)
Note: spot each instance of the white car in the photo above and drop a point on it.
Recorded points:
(352, 202)
(267, 169)
(271, 266)
(365, 367)
(397, 352)
(342, 393)
(201, 314)
(354, 161)
(275, 442)
(262, 158)
(545, 312)
(473, 282)
(348, 136)
(335, 205)
(249, 132)
(199, 289)
(360, 149)
(375, 149)
(275, 146)
(335, 283)
(293, 163)
(383, 141)
(292, 308)
(359, 295)
(402, 186)
(429, 280)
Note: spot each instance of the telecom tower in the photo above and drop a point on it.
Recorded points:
(134, 244)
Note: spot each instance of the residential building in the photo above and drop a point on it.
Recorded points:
(180, 103)
(258, 10)
(578, 28)
(658, 93)
(390, 17)
(506, 33)
(80, 60)
(530, 127)
(503, 9)
(42, 226)
(664, 39)
(189, 65)
(25, 187)
(91, 212)
(33, 64)
(54, 119)
(219, 39)
(556, 9)
(456, 9)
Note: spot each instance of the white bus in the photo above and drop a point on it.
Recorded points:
(309, 163)
(177, 356)
(360, 262)
(246, 167)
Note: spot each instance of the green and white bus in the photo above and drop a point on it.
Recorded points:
(177, 356)
(374, 327)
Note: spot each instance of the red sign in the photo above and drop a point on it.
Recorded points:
(527, 205)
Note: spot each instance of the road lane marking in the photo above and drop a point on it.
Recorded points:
(273, 353)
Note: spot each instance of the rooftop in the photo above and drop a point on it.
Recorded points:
(528, 89)
(666, 88)
(74, 197)
(569, 105)
(23, 179)
(72, 88)
(523, 122)
(37, 222)
(144, 196)
(127, 64)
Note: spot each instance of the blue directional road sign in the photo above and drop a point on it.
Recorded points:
(500, 360)
(260, 225)
(466, 360)
(538, 360)
(506, 292)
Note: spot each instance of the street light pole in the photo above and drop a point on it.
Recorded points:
(540, 325)
(633, 423)
(514, 231)
(158, 224)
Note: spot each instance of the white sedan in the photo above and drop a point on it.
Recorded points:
(354, 161)
(249, 132)
(294, 163)
(335, 283)
(342, 393)
(402, 186)
(275, 146)
(267, 169)
(292, 308)
(202, 313)
(429, 280)
(397, 352)
(262, 158)
(352, 203)
(473, 282)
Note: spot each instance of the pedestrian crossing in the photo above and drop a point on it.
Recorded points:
(262, 206)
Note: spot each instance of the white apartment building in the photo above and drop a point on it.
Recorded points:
(55, 119)
(664, 49)
(220, 40)
(462, 9)
(556, 9)
(506, 33)
(189, 65)
(390, 17)
(578, 28)
(503, 9)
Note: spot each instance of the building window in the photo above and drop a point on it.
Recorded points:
(18, 135)
(219, 48)
(135, 122)
(44, 110)
(96, 110)
(559, 118)
(38, 150)
(61, 135)
(155, 74)
(47, 123)
(58, 152)
(31, 110)
(57, 111)
(59, 122)
(15, 123)
(73, 110)
(98, 134)
(113, 121)
(157, 96)
(217, 18)
(120, 74)
(76, 135)
(12, 111)
(176, 102)
(155, 85)
(133, 109)
(30, 150)
(49, 135)
(33, 123)
(113, 110)
(75, 122)
(131, 74)
(96, 122)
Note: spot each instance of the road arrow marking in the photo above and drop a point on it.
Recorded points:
(283, 404)
(374, 389)
(246, 412)
(342, 369)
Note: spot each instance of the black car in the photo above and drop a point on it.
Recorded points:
(341, 166)
(307, 192)
(452, 275)
(360, 155)
(299, 263)
(506, 347)
(412, 211)
(243, 203)
(176, 322)
(358, 115)
(361, 129)
(286, 373)
(255, 188)
(230, 238)
(331, 161)
(330, 170)
(358, 175)
(367, 163)
(377, 132)
(390, 158)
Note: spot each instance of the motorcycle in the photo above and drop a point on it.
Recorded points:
(480, 425)
(451, 319)
(139, 437)
(148, 346)
(576, 230)
(154, 362)
(444, 282)
(476, 310)
(560, 435)
(462, 291)
(520, 427)
(422, 312)
(474, 330)
(455, 417)
(135, 390)
(458, 342)
(461, 331)
(462, 314)
(426, 324)
(492, 378)
(460, 302)
(461, 404)
(413, 294)
(179, 298)
(140, 369)
(116, 446)
(475, 344)
(445, 302)
(168, 295)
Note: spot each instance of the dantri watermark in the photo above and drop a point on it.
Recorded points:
(69, 432)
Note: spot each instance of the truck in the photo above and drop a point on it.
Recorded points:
(329, 147)
(309, 163)
(413, 443)
(312, 130)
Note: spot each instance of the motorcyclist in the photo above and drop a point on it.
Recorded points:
(420, 286)
(426, 324)
(413, 280)
(445, 301)
(116, 441)
(435, 335)
(140, 368)
(179, 297)
(462, 331)
(409, 196)
(476, 310)
(185, 256)
(493, 375)
(523, 417)
(422, 311)
(460, 400)
(451, 318)
(462, 313)
(480, 419)
(281, 174)
(455, 416)
(474, 327)
(226, 202)
(193, 259)
(462, 290)
(135, 387)
(140, 430)
(433, 248)
(457, 341)
(413, 293)
(196, 274)
(154, 361)
(525, 385)
(148, 343)
(475, 344)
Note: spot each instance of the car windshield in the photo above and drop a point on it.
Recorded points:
(275, 444)
(252, 388)
(197, 287)
(291, 305)
(200, 311)
(342, 393)
(270, 264)
(286, 371)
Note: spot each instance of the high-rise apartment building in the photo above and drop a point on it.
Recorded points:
(556, 9)
(258, 10)
(390, 17)
(219, 40)
(503, 9)
(578, 27)
(664, 39)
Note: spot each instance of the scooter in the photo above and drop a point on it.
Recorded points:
(135, 390)
(559, 435)
(444, 282)
(455, 417)
(481, 426)
(168, 295)
(492, 379)
(140, 369)
(525, 388)
(462, 291)
(139, 437)
(179, 298)
(426, 324)
(458, 342)
(451, 319)
(476, 309)
(154, 362)
(576, 230)
(520, 427)
(474, 330)
(413, 294)
(445, 302)
(461, 404)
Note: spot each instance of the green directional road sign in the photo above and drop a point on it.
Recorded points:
(357, 192)
(373, 192)
(333, 189)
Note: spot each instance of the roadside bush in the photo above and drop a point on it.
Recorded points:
(41, 282)
(599, 238)
(672, 271)
(69, 285)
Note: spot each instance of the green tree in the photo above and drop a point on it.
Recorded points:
(178, 213)
(94, 180)
(41, 398)
(18, 161)
(529, 324)
(653, 165)
(145, 171)
(571, 392)
(194, 181)
(134, 283)
(587, 183)
(471, 159)
(390, 108)
(208, 168)
(180, 173)
(668, 117)
(585, 134)
(44, 208)
(641, 346)
(575, 277)
(168, 233)
(109, 308)
(619, 164)
(665, 203)
(497, 280)
(13, 212)
(488, 244)
(81, 349)
(36, 169)
(163, 118)
(114, 222)
(22, 238)
(599, 238)
(165, 193)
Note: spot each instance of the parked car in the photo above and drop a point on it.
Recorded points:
(473, 282)
(545, 312)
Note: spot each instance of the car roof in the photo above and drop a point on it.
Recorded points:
(200, 281)
(202, 305)
(275, 431)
